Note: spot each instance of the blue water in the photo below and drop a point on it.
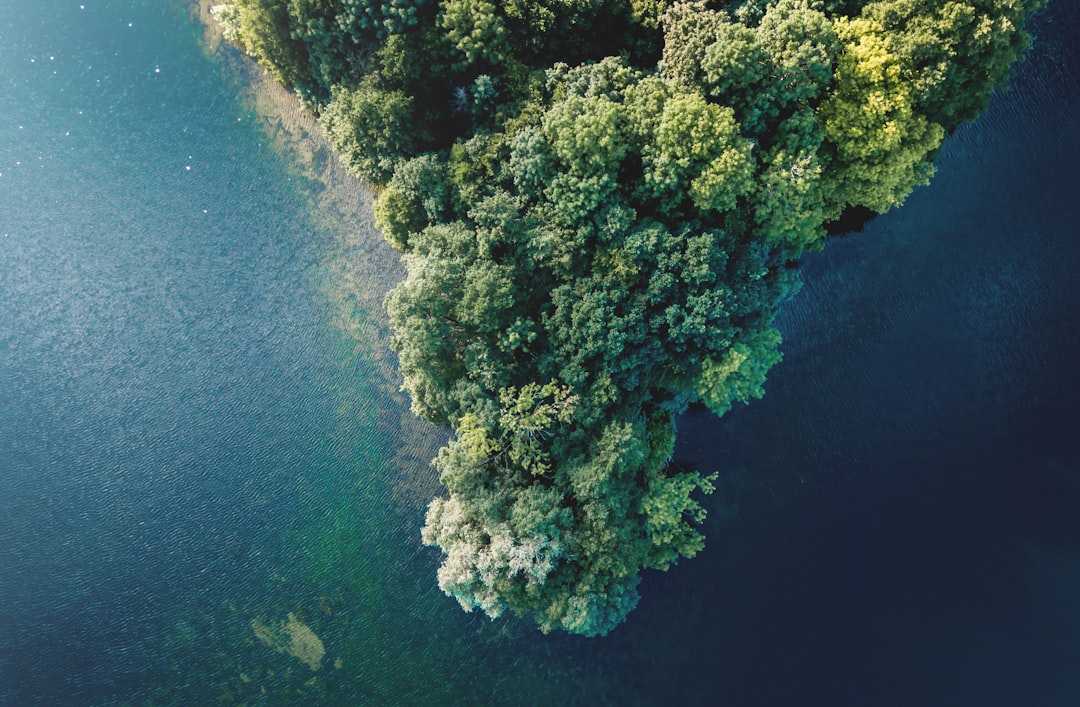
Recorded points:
(169, 381)
(200, 425)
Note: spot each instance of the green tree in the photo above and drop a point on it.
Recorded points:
(417, 196)
(371, 128)
(788, 202)
(476, 29)
(740, 374)
(881, 143)
(264, 30)
(954, 53)
(699, 155)
(585, 139)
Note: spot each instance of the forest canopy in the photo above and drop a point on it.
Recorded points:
(601, 204)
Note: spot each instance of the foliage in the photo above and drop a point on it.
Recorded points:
(369, 126)
(476, 29)
(262, 27)
(740, 374)
(881, 143)
(601, 205)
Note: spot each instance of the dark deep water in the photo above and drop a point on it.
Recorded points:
(200, 432)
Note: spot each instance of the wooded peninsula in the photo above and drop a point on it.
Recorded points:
(601, 206)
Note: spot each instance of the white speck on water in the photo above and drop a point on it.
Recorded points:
(157, 69)
(187, 168)
(129, 24)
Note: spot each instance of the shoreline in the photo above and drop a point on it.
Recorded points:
(358, 271)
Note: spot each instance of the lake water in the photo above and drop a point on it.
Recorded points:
(201, 432)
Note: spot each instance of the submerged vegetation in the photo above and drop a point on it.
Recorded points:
(601, 205)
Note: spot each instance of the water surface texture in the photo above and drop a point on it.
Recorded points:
(211, 489)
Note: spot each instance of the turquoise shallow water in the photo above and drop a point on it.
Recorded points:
(201, 434)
